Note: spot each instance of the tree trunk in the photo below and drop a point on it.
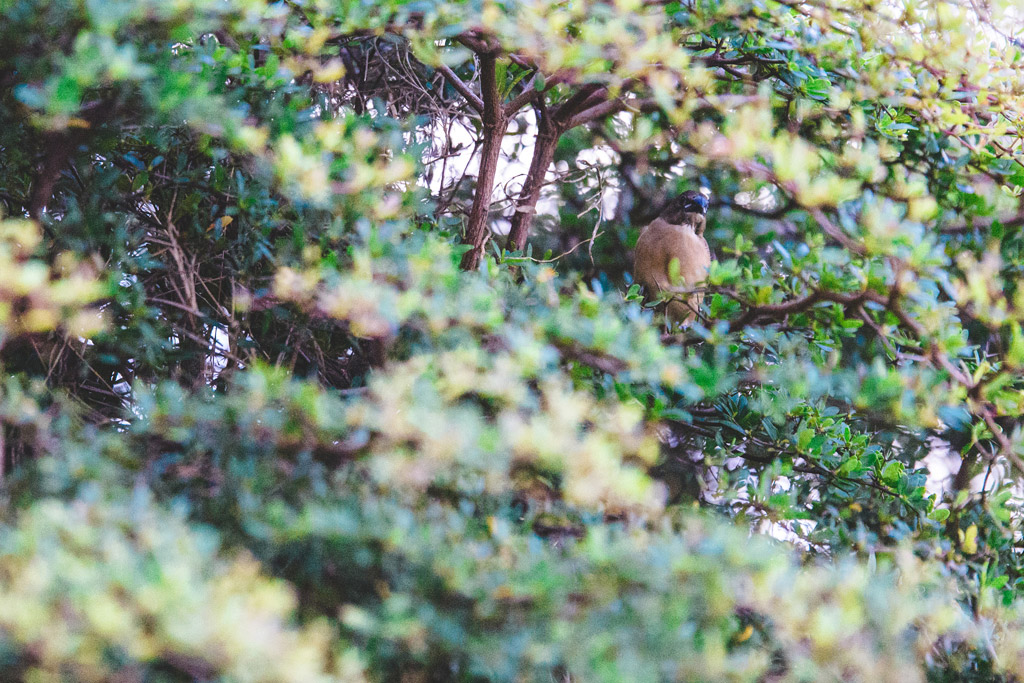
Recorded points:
(588, 102)
(494, 124)
(526, 206)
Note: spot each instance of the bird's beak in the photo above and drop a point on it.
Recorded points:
(698, 204)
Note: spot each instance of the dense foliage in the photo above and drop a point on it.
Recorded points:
(322, 360)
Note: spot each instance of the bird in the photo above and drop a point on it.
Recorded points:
(677, 234)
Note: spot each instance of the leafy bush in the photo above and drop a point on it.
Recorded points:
(288, 396)
(95, 590)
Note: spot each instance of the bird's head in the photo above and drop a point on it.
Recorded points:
(689, 208)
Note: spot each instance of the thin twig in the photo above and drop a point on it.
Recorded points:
(471, 97)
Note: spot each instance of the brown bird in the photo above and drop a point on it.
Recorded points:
(676, 235)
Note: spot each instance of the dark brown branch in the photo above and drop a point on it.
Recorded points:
(59, 147)
(528, 94)
(836, 233)
(594, 359)
(609, 107)
(774, 312)
(494, 125)
(1005, 446)
(543, 155)
(478, 42)
(575, 111)
(576, 102)
(461, 86)
(1016, 221)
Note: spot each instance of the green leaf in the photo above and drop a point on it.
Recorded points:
(892, 472)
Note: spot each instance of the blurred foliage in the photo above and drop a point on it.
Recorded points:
(257, 423)
(98, 590)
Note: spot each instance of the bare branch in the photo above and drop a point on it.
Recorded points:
(1005, 445)
(461, 86)
(576, 102)
(609, 107)
(494, 125)
(522, 99)
(1016, 221)
(836, 233)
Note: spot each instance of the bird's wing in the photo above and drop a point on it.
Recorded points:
(693, 266)
(650, 267)
(658, 245)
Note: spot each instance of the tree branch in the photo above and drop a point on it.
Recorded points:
(609, 107)
(522, 99)
(494, 125)
(1016, 221)
(461, 86)
(575, 103)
